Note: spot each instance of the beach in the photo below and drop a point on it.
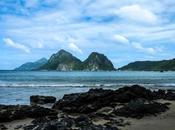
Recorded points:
(127, 108)
(164, 121)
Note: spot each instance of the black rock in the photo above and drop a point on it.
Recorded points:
(41, 120)
(2, 127)
(95, 99)
(83, 121)
(126, 94)
(36, 99)
(87, 102)
(139, 109)
(170, 95)
(14, 112)
(29, 127)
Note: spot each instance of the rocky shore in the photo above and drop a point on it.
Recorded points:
(97, 109)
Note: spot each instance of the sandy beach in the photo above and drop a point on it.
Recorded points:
(164, 121)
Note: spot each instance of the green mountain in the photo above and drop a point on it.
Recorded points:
(96, 62)
(32, 65)
(65, 61)
(164, 65)
(62, 61)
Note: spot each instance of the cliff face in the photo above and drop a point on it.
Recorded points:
(32, 65)
(62, 61)
(96, 62)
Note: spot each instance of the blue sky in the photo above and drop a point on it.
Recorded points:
(124, 30)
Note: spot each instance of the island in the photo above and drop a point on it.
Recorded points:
(65, 61)
(163, 65)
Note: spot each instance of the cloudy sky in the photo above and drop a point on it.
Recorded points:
(124, 30)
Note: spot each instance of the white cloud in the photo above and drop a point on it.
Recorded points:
(75, 48)
(121, 39)
(40, 45)
(92, 28)
(137, 13)
(139, 47)
(13, 44)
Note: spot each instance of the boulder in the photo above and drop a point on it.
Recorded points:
(170, 95)
(37, 99)
(2, 127)
(87, 102)
(126, 94)
(139, 109)
(95, 99)
(14, 112)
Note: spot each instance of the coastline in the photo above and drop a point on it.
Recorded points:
(99, 109)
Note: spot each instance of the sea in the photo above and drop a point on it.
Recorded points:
(16, 87)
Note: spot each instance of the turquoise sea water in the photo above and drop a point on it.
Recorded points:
(17, 86)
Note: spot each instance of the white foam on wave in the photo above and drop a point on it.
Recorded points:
(103, 85)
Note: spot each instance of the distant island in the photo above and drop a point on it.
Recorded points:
(163, 65)
(32, 65)
(65, 61)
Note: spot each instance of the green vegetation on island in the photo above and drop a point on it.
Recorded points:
(32, 65)
(164, 65)
(65, 61)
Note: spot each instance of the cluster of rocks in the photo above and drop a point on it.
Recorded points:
(95, 99)
(80, 110)
(82, 122)
(15, 112)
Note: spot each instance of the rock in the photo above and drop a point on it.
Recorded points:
(87, 102)
(41, 120)
(104, 113)
(29, 127)
(14, 112)
(67, 121)
(139, 109)
(96, 99)
(82, 121)
(126, 94)
(170, 95)
(160, 94)
(18, 127)
(45, 123)
(36, 99)
(2, 127)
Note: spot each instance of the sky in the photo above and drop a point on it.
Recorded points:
(123, 30)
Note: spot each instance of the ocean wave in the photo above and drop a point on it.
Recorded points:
(104, 85)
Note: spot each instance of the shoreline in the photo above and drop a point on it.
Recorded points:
(127, 108)
(58, 94)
